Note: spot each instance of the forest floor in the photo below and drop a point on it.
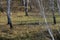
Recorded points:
(28, 28)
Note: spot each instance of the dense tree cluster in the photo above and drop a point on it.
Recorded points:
(15, 4)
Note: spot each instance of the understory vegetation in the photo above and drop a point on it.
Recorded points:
(28, 28)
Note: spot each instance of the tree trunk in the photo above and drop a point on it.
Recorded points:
(26, 7)
(8, 13)
(52, 9)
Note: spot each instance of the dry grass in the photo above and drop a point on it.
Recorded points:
(25, 32)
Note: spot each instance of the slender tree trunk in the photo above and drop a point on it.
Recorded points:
(42, 10)
(30, 5)
(26, 7)
(8, 13)
(52, 9)
(58, 5)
